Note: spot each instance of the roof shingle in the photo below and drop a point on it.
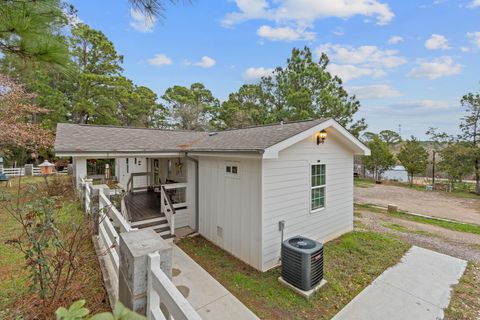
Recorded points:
(92, 138)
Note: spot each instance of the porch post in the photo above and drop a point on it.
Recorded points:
(80, 169)
(135, 246)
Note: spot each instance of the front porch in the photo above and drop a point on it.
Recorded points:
(157, 193)
(144, 212)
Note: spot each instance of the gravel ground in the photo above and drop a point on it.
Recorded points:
(423, 202)
(457, 244)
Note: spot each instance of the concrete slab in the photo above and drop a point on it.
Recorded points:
(306, 294)
(205, 294)
(418, 287)
(226, 307)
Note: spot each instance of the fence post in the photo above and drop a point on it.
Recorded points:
(28, 170)
(133, 272)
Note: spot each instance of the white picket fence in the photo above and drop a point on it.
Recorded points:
(17, 172)
(161, 290)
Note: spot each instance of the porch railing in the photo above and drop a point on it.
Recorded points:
(105, 205)
(161, 291)
(131, 181)
(168, 209)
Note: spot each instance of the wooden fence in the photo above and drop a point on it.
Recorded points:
(160, 289)
(17, 172)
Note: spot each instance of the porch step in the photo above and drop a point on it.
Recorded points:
(149, 223)
(161, 227)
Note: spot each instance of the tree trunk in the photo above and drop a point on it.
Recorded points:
(477, 176)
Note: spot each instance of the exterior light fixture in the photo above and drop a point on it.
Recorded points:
(321, 136)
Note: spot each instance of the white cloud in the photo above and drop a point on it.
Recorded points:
(352, 62)
(437, 68)
(160, 60)
(295, 17)
(284, 33)
(413, 107)
(474, 4)
(437, 42)
(252, 74)
(142, 22)
(305, 12)
(348, 72)
(339, 31)
(395, 40)
(465, 49)
(376, 91)
(205, 62)
(474, 37)
(370, 56)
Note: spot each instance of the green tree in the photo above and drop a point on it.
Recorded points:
(457, 161)
(243, 108)
(137, 106)
(381, 158)
(191, 108)
(98, 76)
(390, 137)
(413, 157)
(470, 127)
(305, 89)
(32, 31)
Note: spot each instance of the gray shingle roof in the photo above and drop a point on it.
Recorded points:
(91, 138)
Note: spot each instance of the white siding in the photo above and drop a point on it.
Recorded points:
(232, 205)
(123, 176)
(286, 195)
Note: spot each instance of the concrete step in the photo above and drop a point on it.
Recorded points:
(153, 223)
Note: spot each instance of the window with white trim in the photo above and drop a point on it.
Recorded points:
(318, 185)
(232, 168)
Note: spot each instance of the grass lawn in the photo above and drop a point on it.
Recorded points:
(351, 263)
(363, 182)
(455, 226)
(465, 303)
(15, 298)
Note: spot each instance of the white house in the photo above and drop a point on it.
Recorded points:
(234, 187)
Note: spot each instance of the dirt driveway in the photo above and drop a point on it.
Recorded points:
(423, 202)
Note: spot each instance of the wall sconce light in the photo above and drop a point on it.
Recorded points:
(321, 136)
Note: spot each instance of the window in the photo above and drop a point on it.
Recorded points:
(126, 162)
(318, 184)
(232, 168)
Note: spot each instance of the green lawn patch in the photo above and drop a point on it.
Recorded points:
(363, 182)
(451, 225)
(400, 228)
(464, 304)
(351, 263)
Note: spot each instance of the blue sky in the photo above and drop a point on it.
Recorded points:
(409, 62)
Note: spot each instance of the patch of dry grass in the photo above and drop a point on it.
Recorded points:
(15, 298)
(465, 301)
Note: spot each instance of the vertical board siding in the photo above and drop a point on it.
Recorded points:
(286, 195)
(233, 204)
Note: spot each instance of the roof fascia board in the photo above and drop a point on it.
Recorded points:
(360, 149)
(225, 154)
(116, 154)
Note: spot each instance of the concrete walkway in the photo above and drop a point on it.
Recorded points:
(205, 294)
(417, 288)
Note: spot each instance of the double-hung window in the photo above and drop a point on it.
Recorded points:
(318, 186)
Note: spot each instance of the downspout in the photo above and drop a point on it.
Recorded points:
(197, 210)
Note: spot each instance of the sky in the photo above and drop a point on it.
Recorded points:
(408, 62)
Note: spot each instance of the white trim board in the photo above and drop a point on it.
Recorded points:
(358, 147)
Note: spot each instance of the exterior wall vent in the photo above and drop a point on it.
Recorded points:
(302, 262)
